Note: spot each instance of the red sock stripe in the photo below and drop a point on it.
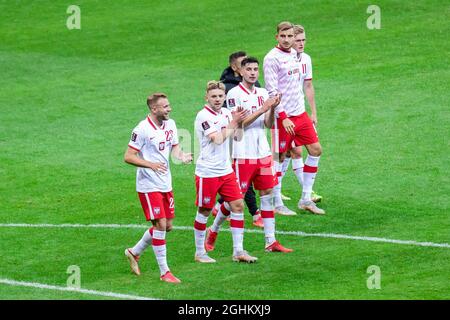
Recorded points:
(267, 214)
(224, 210)
(309, 169)
(199, 226)
(158, 242)
(237, 223)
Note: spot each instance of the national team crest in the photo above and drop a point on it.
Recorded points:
(244, 185)
(282, 144)
(231, 103)
(206, 200)
(162, 146)
(156, 210)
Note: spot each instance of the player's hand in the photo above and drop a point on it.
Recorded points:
(272, 102)
(186, 158)
(314, 119)
(158, 167)
(240, 114)
(288, 126)
(277, 101)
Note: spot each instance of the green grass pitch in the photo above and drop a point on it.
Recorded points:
(69, 99)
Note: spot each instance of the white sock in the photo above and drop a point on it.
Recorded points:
(237, 231)
(309, 175)
(159, 248)
(143, 244)
(297, 166)
(221, 216)
(285, 165)
(268, 218)
(200, 232)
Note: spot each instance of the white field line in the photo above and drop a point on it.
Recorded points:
(70, 289)
(291, 233)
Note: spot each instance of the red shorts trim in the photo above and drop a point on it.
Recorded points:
(305, 134)
(207, 189)
(260, 172)
(157, 205)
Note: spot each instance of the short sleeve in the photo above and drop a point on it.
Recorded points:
(233, 101)
(309, 74)
(137, 139)
(206, 125)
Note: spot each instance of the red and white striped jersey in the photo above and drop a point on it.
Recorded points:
(154, 144)
(282, 74)
(305, 73)
(254, 144)
(214, 159)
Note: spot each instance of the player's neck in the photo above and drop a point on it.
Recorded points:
(248, 86)
(158, 122)
(213, 108)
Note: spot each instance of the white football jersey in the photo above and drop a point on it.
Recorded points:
(254, 144)
(282, 74)
(214, 160)
(305, 74)
(154, 144)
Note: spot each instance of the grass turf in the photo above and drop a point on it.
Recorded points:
(69, 100)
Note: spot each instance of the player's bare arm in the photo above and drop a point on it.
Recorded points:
(132, 157)
(269, 117)
(310, 95)
(184, 157)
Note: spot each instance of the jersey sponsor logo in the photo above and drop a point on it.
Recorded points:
(133, 137)
(206, 200)
(295, 71)
(156, 210)
(244, 101)
(216, 122)
(162, 145)
(205, 125)
(231, 103)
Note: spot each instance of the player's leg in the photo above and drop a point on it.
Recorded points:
(162, 226)
(237, 232)
(268, 216)
(160, 250)
(284, 168)
(231, 192)
(250, 201)
(206, 193)
(211, 233)
(264, 182)
(309, 175)
(280, 207)
(297, 166)
(133, 254)
(217, 206)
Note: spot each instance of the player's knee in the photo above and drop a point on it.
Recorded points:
(315, 150)
(237, 206)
